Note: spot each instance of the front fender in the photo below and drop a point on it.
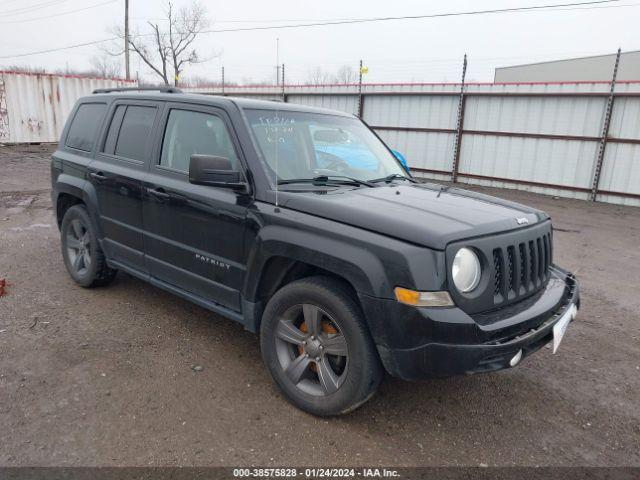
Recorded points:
(373, 263)
(360, 267)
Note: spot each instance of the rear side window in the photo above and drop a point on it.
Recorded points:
(134, 132)
(114, 130)
(84, 126)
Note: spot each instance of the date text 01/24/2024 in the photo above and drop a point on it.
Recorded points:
(315, 473)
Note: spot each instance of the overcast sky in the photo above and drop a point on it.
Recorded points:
(395, 51)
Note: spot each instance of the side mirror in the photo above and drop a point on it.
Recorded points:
(214, 171)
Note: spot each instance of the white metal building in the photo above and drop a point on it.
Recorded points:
(34, 106)
(585, 69)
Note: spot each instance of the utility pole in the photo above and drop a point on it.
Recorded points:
(277, 61)
(126, 40)
(223, 81)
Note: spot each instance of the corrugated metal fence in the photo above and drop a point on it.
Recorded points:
(539, 137)
(34, 107)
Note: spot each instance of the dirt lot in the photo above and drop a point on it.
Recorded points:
(104, 377)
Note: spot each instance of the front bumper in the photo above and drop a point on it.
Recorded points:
(416, 343)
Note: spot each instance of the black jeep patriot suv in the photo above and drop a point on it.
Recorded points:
(302, 225)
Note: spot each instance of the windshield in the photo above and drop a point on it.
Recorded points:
(312, 145)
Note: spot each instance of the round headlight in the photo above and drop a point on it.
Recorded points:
(465, 271)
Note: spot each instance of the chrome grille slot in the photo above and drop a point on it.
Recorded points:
(533, 264)
(524, 276)
(547, 250)
(497, 268)
(541, 261)
(511, 271)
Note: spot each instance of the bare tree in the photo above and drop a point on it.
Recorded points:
(345, 74)
(104, 66)
(101, 67)
(23, 69)
(204, 81)
(200, 81)
(317, 76)
(68, 70)
(169, 49)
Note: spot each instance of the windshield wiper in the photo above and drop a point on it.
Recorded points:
(328, 180)
(393, 176)
(443, 188)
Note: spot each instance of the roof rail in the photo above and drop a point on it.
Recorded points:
(165, 89)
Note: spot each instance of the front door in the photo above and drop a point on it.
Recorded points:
(194, 234)
(117, 172)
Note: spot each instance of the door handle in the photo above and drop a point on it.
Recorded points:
(159, 193)
(98, 176)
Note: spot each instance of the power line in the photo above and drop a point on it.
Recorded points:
(348, 19)
(413, 17)
(340, 22)
(6, 2)
(61, 13)
(77, 45)
(156, 19)
(31, 8)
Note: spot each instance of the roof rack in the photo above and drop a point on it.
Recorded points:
(139, 89)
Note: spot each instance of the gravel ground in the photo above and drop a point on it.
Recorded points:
(106, 377)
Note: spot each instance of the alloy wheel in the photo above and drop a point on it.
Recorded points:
(312, 350)
(78, 243)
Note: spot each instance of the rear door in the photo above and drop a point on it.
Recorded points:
(193, 233)
(117, 173)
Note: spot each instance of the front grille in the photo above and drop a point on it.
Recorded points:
(515, 265)
(521, 269)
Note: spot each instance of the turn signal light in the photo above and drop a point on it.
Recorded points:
(423, 299)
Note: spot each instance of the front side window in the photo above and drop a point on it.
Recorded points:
(188, 133)
(301, 145)
(84, 127)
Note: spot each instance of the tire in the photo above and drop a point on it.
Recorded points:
(81, 251)
(329, 367)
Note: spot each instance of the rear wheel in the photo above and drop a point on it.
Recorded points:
(317, 347)
(81, 252)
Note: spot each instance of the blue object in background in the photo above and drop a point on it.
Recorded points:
(403, 160)
(355, 155)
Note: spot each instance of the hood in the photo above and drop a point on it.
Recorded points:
(423, 214)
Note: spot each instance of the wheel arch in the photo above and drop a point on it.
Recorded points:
(64, 202)
(283, 255)
(280, 271)
(70, 191)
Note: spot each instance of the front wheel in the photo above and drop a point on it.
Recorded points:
(317, 347)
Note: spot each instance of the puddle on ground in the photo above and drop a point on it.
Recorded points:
(30, 227)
